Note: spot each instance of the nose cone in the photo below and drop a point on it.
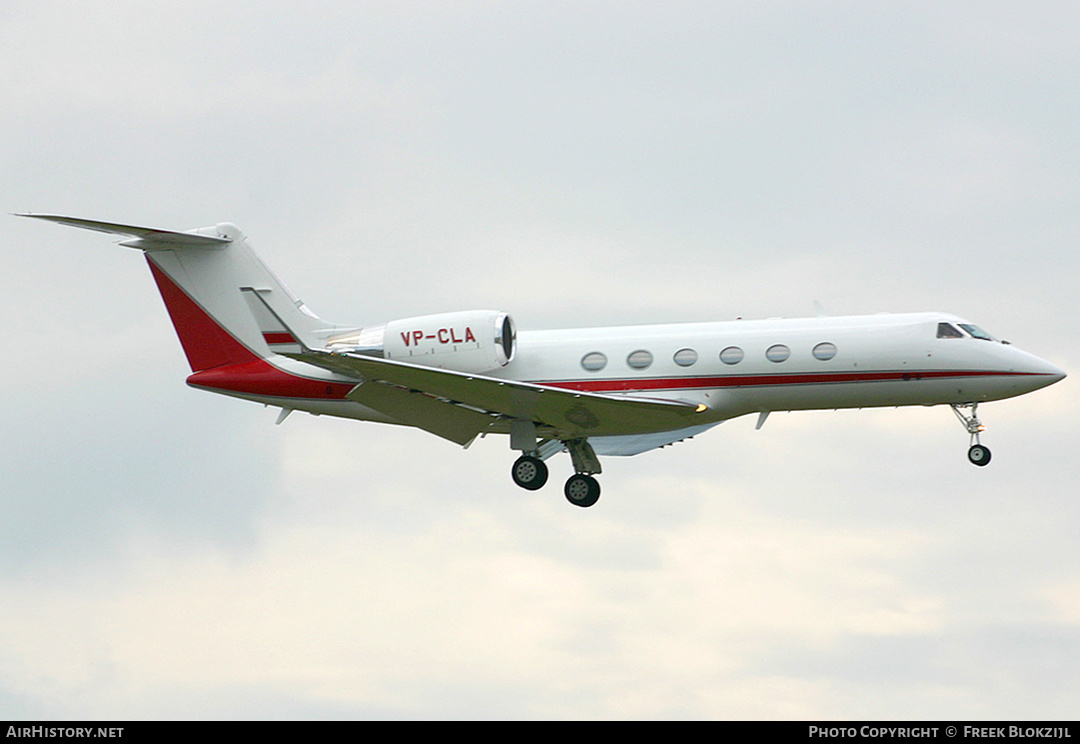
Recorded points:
(1056, 374)
(1042, 372)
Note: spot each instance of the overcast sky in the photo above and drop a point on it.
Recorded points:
(165, 553)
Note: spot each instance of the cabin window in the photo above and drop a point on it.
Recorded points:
(947, 330)
(825, 351)
(594, 361)
(777, 353)
(685, 357)
(977, 332)
(731, 355)
(640, 359)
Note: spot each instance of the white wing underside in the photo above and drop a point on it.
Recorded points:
(635, 444)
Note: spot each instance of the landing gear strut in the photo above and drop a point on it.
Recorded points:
(530, 472)
(978, 454)
(581, 488)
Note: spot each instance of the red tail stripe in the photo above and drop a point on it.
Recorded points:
(219, 361)
(205, 343)
(259, 377)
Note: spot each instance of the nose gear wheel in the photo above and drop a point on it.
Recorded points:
(978, 453)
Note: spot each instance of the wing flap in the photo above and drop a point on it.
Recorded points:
(570, 414)
(437, 417)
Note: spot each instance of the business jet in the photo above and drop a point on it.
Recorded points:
(590, 392)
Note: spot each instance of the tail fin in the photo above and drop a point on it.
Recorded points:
(201, 275)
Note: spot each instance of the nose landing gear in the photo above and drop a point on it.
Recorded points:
(978, 454)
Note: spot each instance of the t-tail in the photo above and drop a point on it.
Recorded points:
(209, 279)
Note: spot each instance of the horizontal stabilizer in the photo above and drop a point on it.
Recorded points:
(146, 238)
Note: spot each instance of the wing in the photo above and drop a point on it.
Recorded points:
(458, 406)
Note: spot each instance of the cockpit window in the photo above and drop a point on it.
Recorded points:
(947, 330)
(977, 332)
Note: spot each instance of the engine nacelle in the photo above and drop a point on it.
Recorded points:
(471, 341)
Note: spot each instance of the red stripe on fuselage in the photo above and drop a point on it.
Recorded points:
(729, 381)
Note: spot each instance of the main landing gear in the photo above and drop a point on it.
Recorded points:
(581, 489)
(978, 454)
(529, 472)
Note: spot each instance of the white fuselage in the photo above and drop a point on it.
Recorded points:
(876, 360)
(862, 361)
